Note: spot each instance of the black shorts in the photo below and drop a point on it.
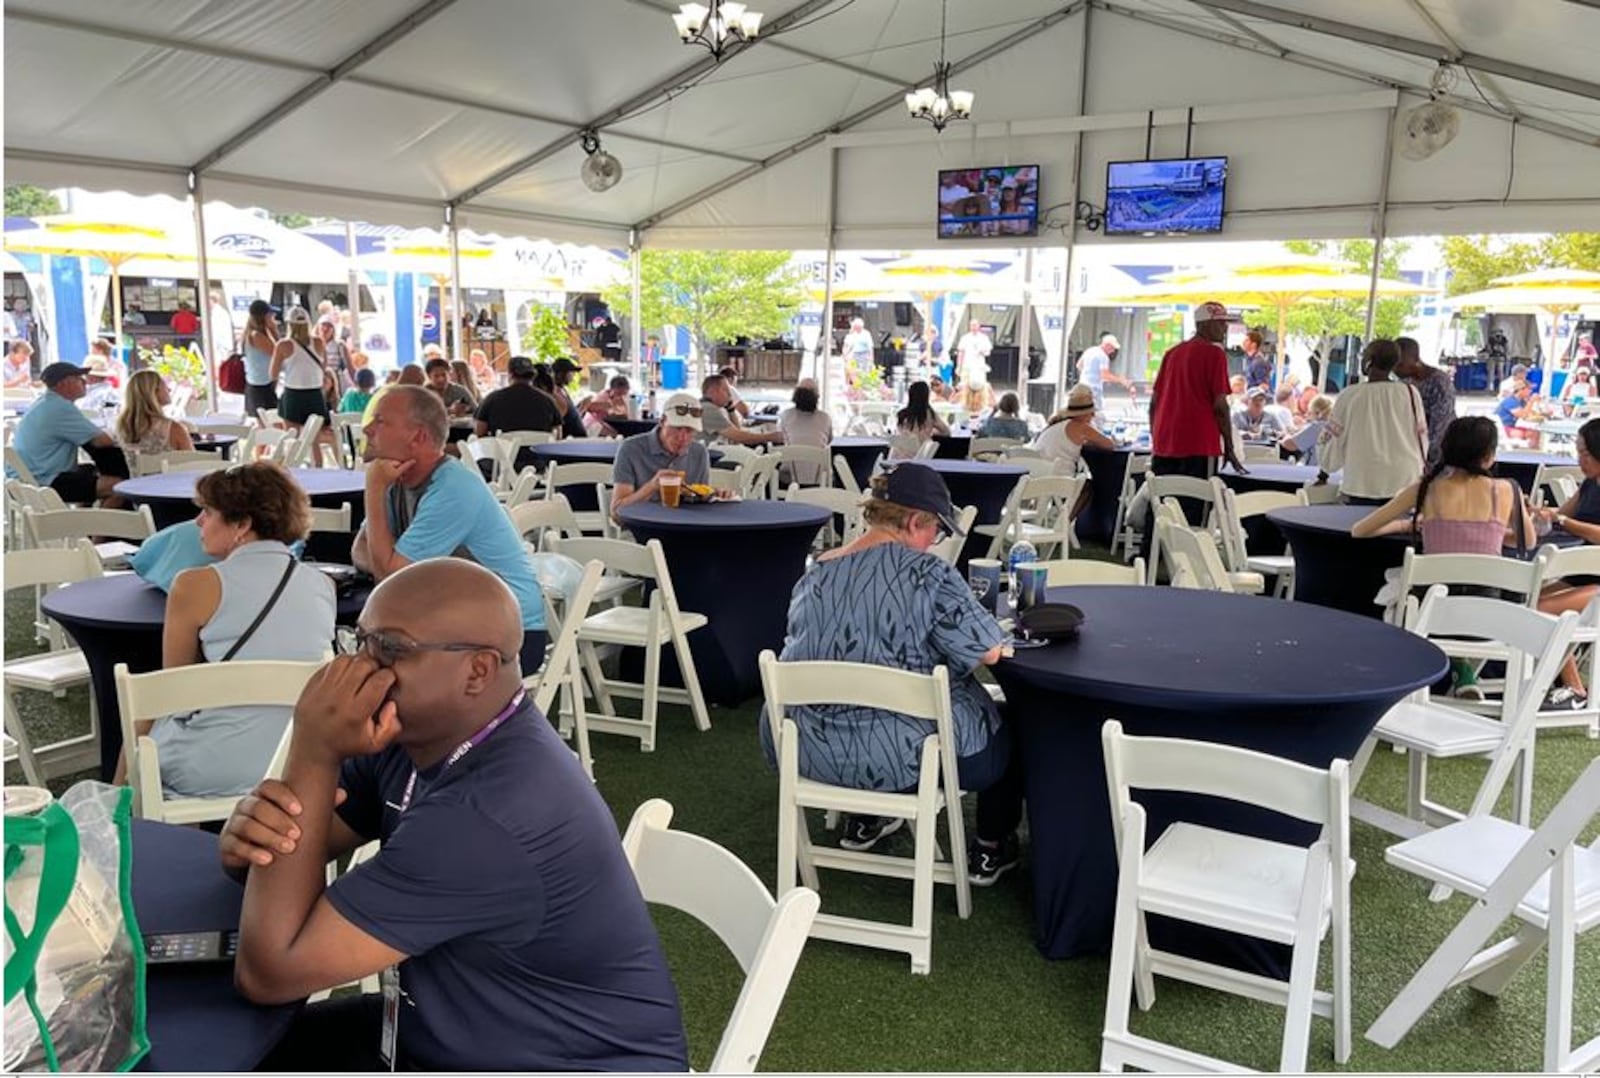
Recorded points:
(77, 485)
(260, 397)
(298, 405)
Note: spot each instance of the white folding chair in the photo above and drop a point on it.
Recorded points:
(1544, 880)
(1321, 493)
(1020, 452)
(949, 548)
(183, 689)
(657, 624)
(699, 877)
(1233, 509)
(562, 671)
(1125, 536)
(14, 463)
(836, 501)
(53, 671)
(1554, 479)
(846, 475)
(758, 476)
(581, 474)
(927, 450)
(1571, 562)
(217, 463)
(1252, 886)
(523, 489)
(1534, 646)
(1049, 499)
(493, 450)
(269, 419)
(805, 465)
(1521, 579)
(1065, 573)
(61, 526)
(988, 448)
(1200, 551)
(735, 455)
(1176, 486)
(920, 696)
(331, 520)
(303, 454)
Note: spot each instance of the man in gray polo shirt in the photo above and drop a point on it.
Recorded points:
(671, 447)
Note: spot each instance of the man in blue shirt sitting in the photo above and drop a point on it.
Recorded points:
(421, 503)
(49, 436)
(500, 907)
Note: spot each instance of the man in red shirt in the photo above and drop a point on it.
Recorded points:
(1189, 422)
(185, 324)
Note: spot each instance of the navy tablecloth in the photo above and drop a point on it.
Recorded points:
(953, 446)
(1289, 679)
(214, 443)
(860, 454)
(171, 501)
(629, 427)
(1268, 475)
(1523, 466)
(119, 619)
(576, 452)
(197, 1021)
(1332, 567)
(976, 483)
(1106, 467)
(736, 563)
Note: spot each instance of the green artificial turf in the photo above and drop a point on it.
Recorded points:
(992, 1003)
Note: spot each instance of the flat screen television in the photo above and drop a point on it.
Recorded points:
(1000, 200)
(1181, 194)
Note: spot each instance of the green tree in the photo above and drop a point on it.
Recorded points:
(292, 220)
(26, 200)
(1337, 317)
(718, 295)
(545, 339)
(1572, 250)
(1475, 261)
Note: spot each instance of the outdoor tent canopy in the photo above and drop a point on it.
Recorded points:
(377, 112)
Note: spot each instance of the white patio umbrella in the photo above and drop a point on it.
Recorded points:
(1554, 291)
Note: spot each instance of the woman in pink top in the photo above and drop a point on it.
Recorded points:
(1460, 507)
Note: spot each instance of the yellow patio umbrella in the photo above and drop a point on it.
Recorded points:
(1555, 291)
(114, 242)
(1274, 285)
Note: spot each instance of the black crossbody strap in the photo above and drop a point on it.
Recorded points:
(272, 601)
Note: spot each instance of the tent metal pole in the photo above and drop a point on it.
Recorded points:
(1025, 338)
(1380, 230)
(203, 293)
(354, 298)
(1067, 313)
(825, 335)
(454, 321)
(636, 311)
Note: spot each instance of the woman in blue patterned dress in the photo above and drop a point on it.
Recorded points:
(883, 599)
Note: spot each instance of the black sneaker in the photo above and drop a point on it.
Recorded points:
(861, 833)
(986, 864)
(1562, 698)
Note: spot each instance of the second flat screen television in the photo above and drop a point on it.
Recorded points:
(1000, 200)
(1177, 195)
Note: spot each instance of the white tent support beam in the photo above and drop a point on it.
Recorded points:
(1025, 334)
(636, 310)
(632, 104)
(79, 160)
(824, 350)
(450, 325)
(326, 80)
(161, 41)
(197, 200)
(1555, 130)
(770, 38)
(1478, 62)
(1248, 31)
(1380, 227)
(898, 98)
(1487, 81)
(354, 299)
(1067, 312)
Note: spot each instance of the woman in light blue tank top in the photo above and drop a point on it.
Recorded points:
(260, 338)
(248, 516)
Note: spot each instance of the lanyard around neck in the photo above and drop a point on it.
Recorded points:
(468, 745)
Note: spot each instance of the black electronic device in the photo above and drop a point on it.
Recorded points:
(170, 948)
(1166, 196)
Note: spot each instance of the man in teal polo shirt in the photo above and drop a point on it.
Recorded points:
(422, 504)
(48, 438)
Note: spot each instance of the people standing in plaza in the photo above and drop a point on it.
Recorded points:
(260, 342)
(972, 366)
(1094, 370)
(1378, 434)
(298, 360)
(1434, 387)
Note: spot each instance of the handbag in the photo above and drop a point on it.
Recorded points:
(75, 970)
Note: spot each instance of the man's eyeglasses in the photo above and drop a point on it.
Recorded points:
(386, 649)
(686, 409)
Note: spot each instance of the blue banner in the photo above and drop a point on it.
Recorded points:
(72, 331)
(405, 318)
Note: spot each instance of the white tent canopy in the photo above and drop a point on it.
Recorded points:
(391, 112)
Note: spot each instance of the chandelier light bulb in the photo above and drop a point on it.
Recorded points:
(717, 25)
(938, 104)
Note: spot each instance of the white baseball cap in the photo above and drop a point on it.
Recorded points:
(1212, 311)
(1111, 339)
(682, 410)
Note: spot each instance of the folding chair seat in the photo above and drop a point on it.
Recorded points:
(327, 519)
(1050, 499)
(183, 689)
(699, 877)
(1173, 486)
(1540, 877)
(1534, 645)
(1077, 571)
(1239, 883)
(938, 793)
(657, 624)
(581, 474)
(1576, 562)
(1233, 509)
(53, 671)
(1200, 552)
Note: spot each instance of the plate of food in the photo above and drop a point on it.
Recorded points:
(704, 493)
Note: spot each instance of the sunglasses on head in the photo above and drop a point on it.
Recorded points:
(686, 409)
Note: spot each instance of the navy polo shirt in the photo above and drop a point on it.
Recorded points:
(530, 946)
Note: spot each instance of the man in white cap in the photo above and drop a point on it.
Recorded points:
(1094, 370)
(670, 447)
(1190, 421)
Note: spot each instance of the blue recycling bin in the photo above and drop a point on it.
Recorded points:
(674, 372)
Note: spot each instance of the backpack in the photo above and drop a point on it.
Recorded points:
(230, 376)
